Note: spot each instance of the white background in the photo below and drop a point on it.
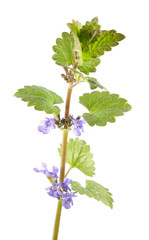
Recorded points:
(28, 31)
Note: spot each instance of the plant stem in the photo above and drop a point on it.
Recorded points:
(57, 220)
(67, 106)
(63, 155)
(63, 161)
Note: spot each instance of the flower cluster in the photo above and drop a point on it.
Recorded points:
(58, 190)
(62, 191)
(49, 123)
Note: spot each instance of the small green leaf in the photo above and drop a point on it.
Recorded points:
(89, 65)
(93, 82)
(92, 25)
(41, 98)
(103, 107)
(79, 156)
(75, 27)
(105, 41)
(63, 50)
(78, 75)
(94, 190)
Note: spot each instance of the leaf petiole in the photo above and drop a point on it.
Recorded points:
(68, 171)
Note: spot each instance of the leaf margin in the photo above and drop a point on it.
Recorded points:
(38, 100)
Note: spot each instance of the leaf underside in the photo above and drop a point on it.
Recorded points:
(41, 98)
(94, 190)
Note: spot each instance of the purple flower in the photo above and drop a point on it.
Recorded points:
(52, 175)
(58, 190)
(63, 192)
(47, 124)
(53, 191)
(77, 126)
(64, 185)
(67, 200)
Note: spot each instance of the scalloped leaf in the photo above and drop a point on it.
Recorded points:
(103, 107)
(94, 190)
(64, 50)
(41, 98)
(105, 41)
(79, 156)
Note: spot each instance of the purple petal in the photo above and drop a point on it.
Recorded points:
(47, 124)
(67, 181)
(36, 170)
(67, 201)
(44, 165)
(44, 130)
(77, 126)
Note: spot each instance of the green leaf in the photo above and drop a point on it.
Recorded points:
(93, 82)
(41, 98)
(89, 65)
(64, 50)
(83, 35)
(94, 190)
(105, 41)
(92, 25)
(79, 156)
(75, 27)
(103, 107)
(89, 31)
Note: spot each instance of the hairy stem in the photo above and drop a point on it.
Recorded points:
(63, 162)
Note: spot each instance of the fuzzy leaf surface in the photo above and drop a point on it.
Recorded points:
(89, 31)
(41, 98)
(63, 50)
(79, 156)
(105, 41)
(75, 27)
(89, 65)
(94, 190)
(103, 107)
(83, 35)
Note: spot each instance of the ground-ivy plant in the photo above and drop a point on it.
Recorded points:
(78, 52)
